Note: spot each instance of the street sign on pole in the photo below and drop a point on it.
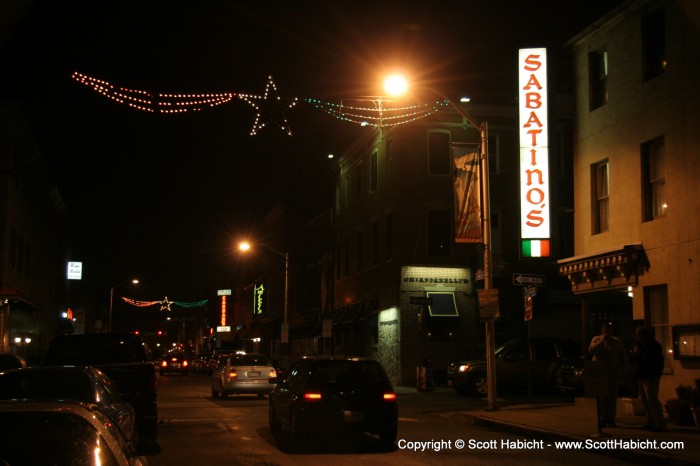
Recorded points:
(527, 279)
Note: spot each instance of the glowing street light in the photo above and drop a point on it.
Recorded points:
(111, 298)
(398, 85)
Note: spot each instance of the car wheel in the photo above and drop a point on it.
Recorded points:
(296, 430)
(214, 393)
(480, 385)
(275, 427)
(222, 392)
(161, 373)
(388, 435)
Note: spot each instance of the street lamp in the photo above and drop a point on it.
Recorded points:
(111, 297)
(396, 85)
(245, 246)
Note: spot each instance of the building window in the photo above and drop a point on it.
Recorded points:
(360, 251)
(337, 262)
(346, 261)
(439, 233)
(358, 181)
(656, 315)
(346, 182)
(389, 156)
(375, 243)
(389, 222)
(439, 152)
(598, 78)
(374, 171)
(653, 44)
(654, 179)
(601, 200)
(494, 149)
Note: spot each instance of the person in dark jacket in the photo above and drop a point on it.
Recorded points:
(649, 358)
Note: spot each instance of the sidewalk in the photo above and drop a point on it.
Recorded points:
(576, 421)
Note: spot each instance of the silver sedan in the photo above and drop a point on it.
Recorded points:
(244, 374)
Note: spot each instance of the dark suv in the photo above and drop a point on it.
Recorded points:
(334, 396)
(519, 367)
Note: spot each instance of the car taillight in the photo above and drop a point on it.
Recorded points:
(232, 374)
(272, 374)
(312, 396)
(390, 396)
(185, 363)
(164, 364)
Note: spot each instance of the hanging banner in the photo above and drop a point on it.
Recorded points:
(467, 195)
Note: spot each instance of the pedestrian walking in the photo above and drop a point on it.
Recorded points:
(609, 350)
(648, 356)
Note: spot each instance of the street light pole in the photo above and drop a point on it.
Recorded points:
(396, 84)
(285, 323)
(111, 298)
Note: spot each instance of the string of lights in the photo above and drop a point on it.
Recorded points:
(380, 114)
(269, 107)
(160, 103)
(164, 304)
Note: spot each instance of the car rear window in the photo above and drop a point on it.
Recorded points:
(342, 372)
(251, 361)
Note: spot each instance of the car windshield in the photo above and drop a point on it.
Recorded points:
(94, 349)
(48, 437)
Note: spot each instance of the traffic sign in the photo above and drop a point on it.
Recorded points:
(527, 279)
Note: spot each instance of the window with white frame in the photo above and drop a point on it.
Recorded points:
(654, 179)
(597, 78)
(600, 197)
(656, 314)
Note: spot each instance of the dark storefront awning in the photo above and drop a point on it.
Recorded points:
(607, 270)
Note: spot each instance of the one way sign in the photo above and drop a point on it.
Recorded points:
(527, 279)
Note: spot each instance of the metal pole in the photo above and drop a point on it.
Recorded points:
(111, 303)
(286, 285)
(488, 270)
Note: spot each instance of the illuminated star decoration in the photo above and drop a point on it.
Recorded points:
(164, 304)
(270, 107)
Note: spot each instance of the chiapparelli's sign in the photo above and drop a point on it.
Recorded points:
(434, 280)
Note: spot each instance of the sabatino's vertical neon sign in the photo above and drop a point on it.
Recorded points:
(534, 153)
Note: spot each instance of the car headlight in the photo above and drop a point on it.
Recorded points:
(465, 367)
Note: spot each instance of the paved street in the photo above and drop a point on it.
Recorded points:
(196, 429)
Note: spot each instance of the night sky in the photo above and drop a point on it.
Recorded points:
(164, 196)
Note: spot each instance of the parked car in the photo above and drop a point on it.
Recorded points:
(571, 376)
(61, 432)
(337, 396)
(174, 362)
(200, 363)
(243, 374)
(11, 361)
(71, 383)
(517, 362)
(122, 357)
